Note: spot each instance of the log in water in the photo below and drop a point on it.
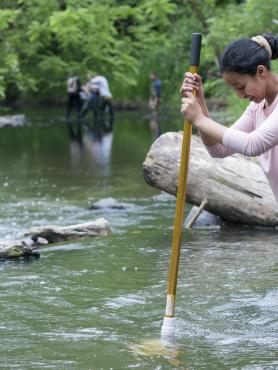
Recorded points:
(40, 236)
(235, 187)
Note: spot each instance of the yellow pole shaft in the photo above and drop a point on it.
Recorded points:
(179, 215)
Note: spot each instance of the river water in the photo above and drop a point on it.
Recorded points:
(99, 303)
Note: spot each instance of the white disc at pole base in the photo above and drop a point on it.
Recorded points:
(168, 327)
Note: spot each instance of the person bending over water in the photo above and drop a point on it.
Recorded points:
(245, 66)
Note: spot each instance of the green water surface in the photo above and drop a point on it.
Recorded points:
(91, 304)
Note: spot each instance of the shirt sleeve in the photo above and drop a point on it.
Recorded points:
(244, 124)
(256, 142)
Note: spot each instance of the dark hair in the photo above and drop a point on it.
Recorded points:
(244, 55)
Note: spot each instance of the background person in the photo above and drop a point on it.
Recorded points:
(90, 93)
(155, 91)
(105, 103)
(74, 100)
(100, 100)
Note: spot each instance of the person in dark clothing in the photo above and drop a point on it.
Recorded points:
(91, 101)
(99, 101)
(74, 100)
(155, 91)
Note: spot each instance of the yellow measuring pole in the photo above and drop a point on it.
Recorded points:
(169, 323)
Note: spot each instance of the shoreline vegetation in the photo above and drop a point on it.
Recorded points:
(123, 41)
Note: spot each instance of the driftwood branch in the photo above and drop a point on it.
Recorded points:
(40, 236)
(235, 187)
(194, 218)
(55, 234)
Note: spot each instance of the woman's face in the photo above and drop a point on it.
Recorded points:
(246, 86)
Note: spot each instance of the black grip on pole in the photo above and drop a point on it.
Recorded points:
(195, 49)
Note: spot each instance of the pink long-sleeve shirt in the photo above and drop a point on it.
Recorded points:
(255, 133)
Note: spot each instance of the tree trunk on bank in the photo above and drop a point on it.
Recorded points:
(235, 187)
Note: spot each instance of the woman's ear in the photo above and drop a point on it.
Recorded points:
(261, 71)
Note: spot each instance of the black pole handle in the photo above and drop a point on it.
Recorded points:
(195, 49)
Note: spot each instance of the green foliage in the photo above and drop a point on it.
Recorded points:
(42, 42)
(45, 41)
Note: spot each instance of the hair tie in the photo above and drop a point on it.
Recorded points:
(262, 41)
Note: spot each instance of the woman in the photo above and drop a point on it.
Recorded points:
(245, 66)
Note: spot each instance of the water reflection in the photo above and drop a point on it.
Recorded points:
(159, 347)
(155, 126)
(98, 146)
(75, 130)
(92, 143)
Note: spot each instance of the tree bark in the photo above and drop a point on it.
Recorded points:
(235, 187)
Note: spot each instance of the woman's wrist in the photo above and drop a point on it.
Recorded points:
(198, 120)
(203, 104)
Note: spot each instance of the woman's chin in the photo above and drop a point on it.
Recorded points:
(256, 100)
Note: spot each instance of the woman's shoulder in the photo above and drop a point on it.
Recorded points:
(262, 106)
(275, 102)
(272, 107)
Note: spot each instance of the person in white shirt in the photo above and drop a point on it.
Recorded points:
(100, 85)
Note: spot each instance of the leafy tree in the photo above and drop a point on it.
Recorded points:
(42, 42)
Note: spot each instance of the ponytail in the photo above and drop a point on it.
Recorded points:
(244, 55)
(273, 43)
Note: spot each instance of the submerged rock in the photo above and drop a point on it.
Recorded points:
(15, 120)
(109, 203)
(205, 219)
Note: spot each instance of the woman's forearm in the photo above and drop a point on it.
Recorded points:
(211, 132)
(204, 107)
(207, 140)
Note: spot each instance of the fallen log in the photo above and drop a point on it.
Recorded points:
(40, 236)
(235, 187)
(17, 250)
(55, 234)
